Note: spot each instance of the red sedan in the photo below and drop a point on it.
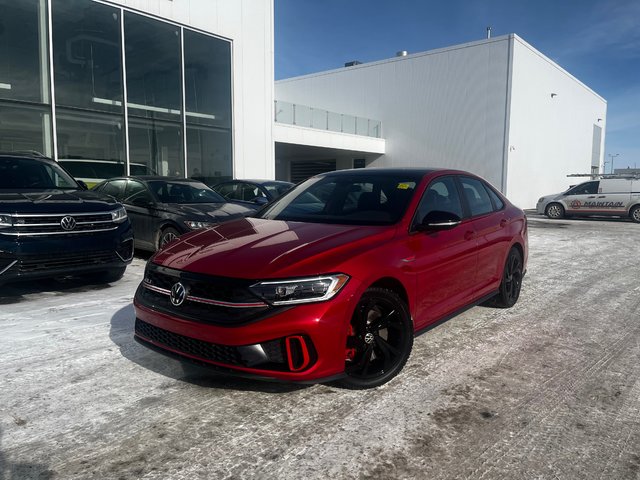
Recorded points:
(333, 280)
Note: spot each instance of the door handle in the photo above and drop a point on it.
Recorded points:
(602, 196)
(591, 196)
(503, 223)
(468, 235)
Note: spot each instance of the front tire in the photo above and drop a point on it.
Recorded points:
(167, 235)
(634, 213)
(509, 291)
(379, 341)
(554, 211)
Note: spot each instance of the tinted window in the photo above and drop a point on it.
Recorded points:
(476, 196)
(347, 199)
(497, 201)
(28, 174)
(183, 192)
(114, 188)
(441, 195)
(588, 188)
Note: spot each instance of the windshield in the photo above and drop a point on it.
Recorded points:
(346, 199)
(184, 192)
(17, 173)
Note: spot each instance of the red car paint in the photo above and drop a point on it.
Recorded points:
(435, 273)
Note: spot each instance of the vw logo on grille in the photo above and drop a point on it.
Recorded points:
(178, 294)
(68, 223)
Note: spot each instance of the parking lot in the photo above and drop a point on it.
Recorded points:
(547, 389)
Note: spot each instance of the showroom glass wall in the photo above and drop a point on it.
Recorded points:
(176, 82)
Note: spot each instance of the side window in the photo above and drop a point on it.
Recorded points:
(441, 195)
(497, 202)
(476, 196)
(249, 192)
(587, 188)
(114, 188)
(227, 190)
(136, 191)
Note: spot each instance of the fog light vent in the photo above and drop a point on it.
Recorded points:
(297, 353)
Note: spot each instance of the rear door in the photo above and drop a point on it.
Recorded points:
(614, 196)
(142, 212)
(490, 224)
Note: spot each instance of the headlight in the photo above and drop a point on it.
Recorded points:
(194, 225)
(119, 215)
(5, 220)
(301, 290)
(541, 200)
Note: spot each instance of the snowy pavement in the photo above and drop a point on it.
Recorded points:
(548, 389)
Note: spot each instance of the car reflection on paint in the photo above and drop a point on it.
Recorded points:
(161, 209)
(333, 280)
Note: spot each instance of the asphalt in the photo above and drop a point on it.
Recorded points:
(547, 389)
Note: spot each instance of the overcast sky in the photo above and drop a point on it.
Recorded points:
(596, 41)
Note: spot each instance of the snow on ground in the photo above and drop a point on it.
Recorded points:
(548, 389)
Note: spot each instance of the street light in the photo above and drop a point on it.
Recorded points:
(611, 157)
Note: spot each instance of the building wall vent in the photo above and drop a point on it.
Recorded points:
(402, 53)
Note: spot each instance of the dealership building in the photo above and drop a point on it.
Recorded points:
(185, 87)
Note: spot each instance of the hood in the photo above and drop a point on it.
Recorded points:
(257, 248)
(207, 212)
(55, 201)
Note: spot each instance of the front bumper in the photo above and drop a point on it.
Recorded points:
(27, 258)
(302, 343)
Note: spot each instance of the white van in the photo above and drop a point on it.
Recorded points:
(618, 197)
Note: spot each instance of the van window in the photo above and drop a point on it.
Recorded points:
(587, 188)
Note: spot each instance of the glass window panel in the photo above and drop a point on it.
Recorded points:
(153, 62)
(91, 136)
(209, 152)
(207, 70)
(87, 55)
(25, 128)
(477, 197)
(23, 51)
(156, 146)
(115, 189)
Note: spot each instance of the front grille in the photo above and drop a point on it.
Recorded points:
(38, 263)
(210, 299)
(51, 224)
(179, 343)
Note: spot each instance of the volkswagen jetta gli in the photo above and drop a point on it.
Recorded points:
(333, 280)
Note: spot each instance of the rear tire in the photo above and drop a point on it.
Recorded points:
(554, 211)
(509, 291)
(634, 213)
(379, 341)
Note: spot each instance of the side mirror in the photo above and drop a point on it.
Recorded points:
(83, 185)
(437, 220)
(260, 201)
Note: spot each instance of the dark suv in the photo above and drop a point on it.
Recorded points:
(51, 226)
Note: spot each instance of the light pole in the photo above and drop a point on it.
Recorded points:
(611, 157)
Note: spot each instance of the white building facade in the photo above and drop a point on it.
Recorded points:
(496, 107)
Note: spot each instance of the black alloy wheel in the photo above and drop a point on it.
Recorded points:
(379, 341)
(509, 291)
(167, 235)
